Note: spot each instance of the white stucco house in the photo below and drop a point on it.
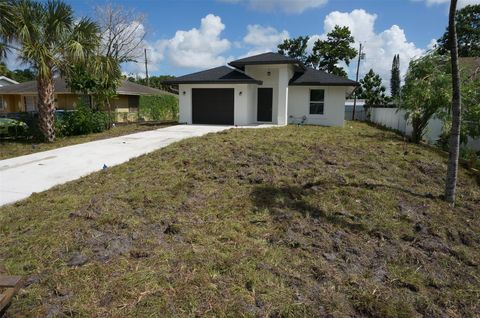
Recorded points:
(265, 88)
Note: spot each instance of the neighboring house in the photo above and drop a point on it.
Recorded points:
(22, 97)
(4, 81)
(265, 88)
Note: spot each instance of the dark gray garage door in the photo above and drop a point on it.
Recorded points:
(212, 106)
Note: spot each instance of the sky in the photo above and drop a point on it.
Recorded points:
(183, 36)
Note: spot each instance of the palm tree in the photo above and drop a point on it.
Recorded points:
(7, 27)
(451, 183)
(51, 39)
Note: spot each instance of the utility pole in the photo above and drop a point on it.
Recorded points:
(356, 79)
(146, 67)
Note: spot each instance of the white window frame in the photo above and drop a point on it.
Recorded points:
(316, 101)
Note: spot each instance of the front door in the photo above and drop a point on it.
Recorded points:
(264, 104)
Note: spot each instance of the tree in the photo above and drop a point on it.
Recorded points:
(158, 82)
(327, 54)
(99, 77)
(395, 79)
(372, 90)
(18, 75)
(426, 91)
(7, 26)
(454, 151)
(468, 32)
(470, 126)
(51, 40)
(122, 32)
(296, 48)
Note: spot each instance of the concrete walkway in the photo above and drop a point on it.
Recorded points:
(21, 176)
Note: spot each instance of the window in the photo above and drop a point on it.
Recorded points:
(133, 103)
(317, 101)
(3, 104)
(85, 100)
(30, 103)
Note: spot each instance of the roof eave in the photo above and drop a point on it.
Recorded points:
(242, 65)
(323, 84)
(214, 82)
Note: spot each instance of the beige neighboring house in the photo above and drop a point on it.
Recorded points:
(19, 98)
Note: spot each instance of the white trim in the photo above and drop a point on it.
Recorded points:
(8, 79)
(256, 104)
(310, 101)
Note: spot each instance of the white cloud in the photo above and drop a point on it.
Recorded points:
(380, 47)
(198, 48)
(461, 3)
(287, 6)
(261, 39)
(432, 44)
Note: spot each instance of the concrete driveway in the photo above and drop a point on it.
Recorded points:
(21, 176)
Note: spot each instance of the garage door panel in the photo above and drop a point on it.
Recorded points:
(213, 106)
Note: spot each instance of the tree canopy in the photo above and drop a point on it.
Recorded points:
(468, 32)
(20, 76)
(395, 79)
(427, 90)
(372, 90)
(326, 54)
(296, 48)
(51, 39)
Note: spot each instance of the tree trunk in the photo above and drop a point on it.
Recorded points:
(46, 108)
(454, 151)
(109, 113)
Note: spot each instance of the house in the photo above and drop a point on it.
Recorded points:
(265, 88)
(4, 81)
(22, 97)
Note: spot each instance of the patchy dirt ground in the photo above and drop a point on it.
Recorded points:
(280, 222)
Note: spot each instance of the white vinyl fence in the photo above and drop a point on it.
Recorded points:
(394, 118)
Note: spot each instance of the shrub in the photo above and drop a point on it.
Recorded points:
(82, 121)
(12, 127)
(159, 107)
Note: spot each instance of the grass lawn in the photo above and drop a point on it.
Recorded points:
(279, 222)
(10, 149)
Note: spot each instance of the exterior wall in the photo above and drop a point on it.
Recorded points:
(334, 107)
(289, 102)
(11, 104)
(67, 101)
(122, 111)
(243, 109)
(278, 80)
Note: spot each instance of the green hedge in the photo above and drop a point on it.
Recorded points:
(159, 107)
(82, 121)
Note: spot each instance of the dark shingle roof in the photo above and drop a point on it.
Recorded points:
(265, 58)
(126, 88)
(315, 77)
(218, 75)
